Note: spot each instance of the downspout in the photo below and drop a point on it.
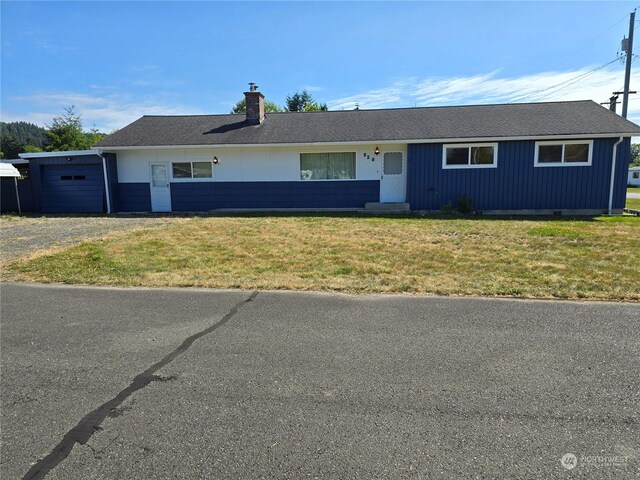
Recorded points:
(15, 182)
(613, 173)
(106, 181)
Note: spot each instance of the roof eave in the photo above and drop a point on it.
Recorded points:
(104, 148)
(56, 154)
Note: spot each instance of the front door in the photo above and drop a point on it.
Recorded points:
(160, 188)
(393, 182)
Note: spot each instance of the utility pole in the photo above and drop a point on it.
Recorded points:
(627, 71)
(613, 101)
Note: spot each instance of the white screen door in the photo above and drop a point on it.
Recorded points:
(160, 188)
(393, 183)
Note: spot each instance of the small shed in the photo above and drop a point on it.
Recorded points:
(634, 177)
(9, 171)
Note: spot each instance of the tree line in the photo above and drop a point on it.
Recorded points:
(296, 102)
(635, 155)
(66, 132)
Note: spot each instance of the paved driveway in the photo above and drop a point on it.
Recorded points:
(107, 383)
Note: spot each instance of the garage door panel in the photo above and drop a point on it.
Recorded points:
(72, 189)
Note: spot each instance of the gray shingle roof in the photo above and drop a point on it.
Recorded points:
(474, 121)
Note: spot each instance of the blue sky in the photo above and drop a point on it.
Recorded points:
(117, 61)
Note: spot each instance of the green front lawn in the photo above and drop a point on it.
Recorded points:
(633, 203)
(560, 258)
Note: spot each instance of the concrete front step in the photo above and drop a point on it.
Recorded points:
(392, 207)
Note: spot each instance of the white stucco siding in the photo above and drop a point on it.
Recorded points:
(247, 164)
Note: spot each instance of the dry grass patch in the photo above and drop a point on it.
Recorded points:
(590, 258)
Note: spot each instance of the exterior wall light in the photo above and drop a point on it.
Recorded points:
(215, 160)
(376, 151)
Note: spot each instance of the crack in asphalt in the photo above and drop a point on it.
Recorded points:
(91, 422)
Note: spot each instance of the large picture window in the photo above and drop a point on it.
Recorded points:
(481, 155)
(182, 170)
(554, 154)
(328, 166)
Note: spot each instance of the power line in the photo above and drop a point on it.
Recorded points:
(590, 42)
(571, 81)
(566, 83)
(633, 59)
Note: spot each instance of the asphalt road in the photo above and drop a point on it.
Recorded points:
(118, 384)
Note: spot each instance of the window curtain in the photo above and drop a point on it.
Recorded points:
(328, 166)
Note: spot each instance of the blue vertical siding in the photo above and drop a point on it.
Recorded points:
(8, 200)
(134, 197)
(204, 196)
(516, 184)
(622, 173)
(36, 184)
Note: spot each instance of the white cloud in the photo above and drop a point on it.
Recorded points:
(312, 88)
(107, 111)
(494, 88)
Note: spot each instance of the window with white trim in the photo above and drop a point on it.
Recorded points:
(186, 170)
(470, 155)
(555, 154)
(328, 166)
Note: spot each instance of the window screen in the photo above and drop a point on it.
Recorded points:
(457, 156)
(392, 163)
(159, 175)
(576, 153)
(202, 170)
(481, 155)
(550, 154)
(182, 170)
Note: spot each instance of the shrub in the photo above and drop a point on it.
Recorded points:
(447, 208)
(465, 204)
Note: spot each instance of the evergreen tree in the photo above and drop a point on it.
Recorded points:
(303, 102)
(241, 107)
(65, 133)
(635, 155)
(26, 133)
(10, 147)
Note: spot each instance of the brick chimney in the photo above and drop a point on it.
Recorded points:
(255, 105)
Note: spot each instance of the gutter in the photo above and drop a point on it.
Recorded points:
(106, 180)
(613, 173)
